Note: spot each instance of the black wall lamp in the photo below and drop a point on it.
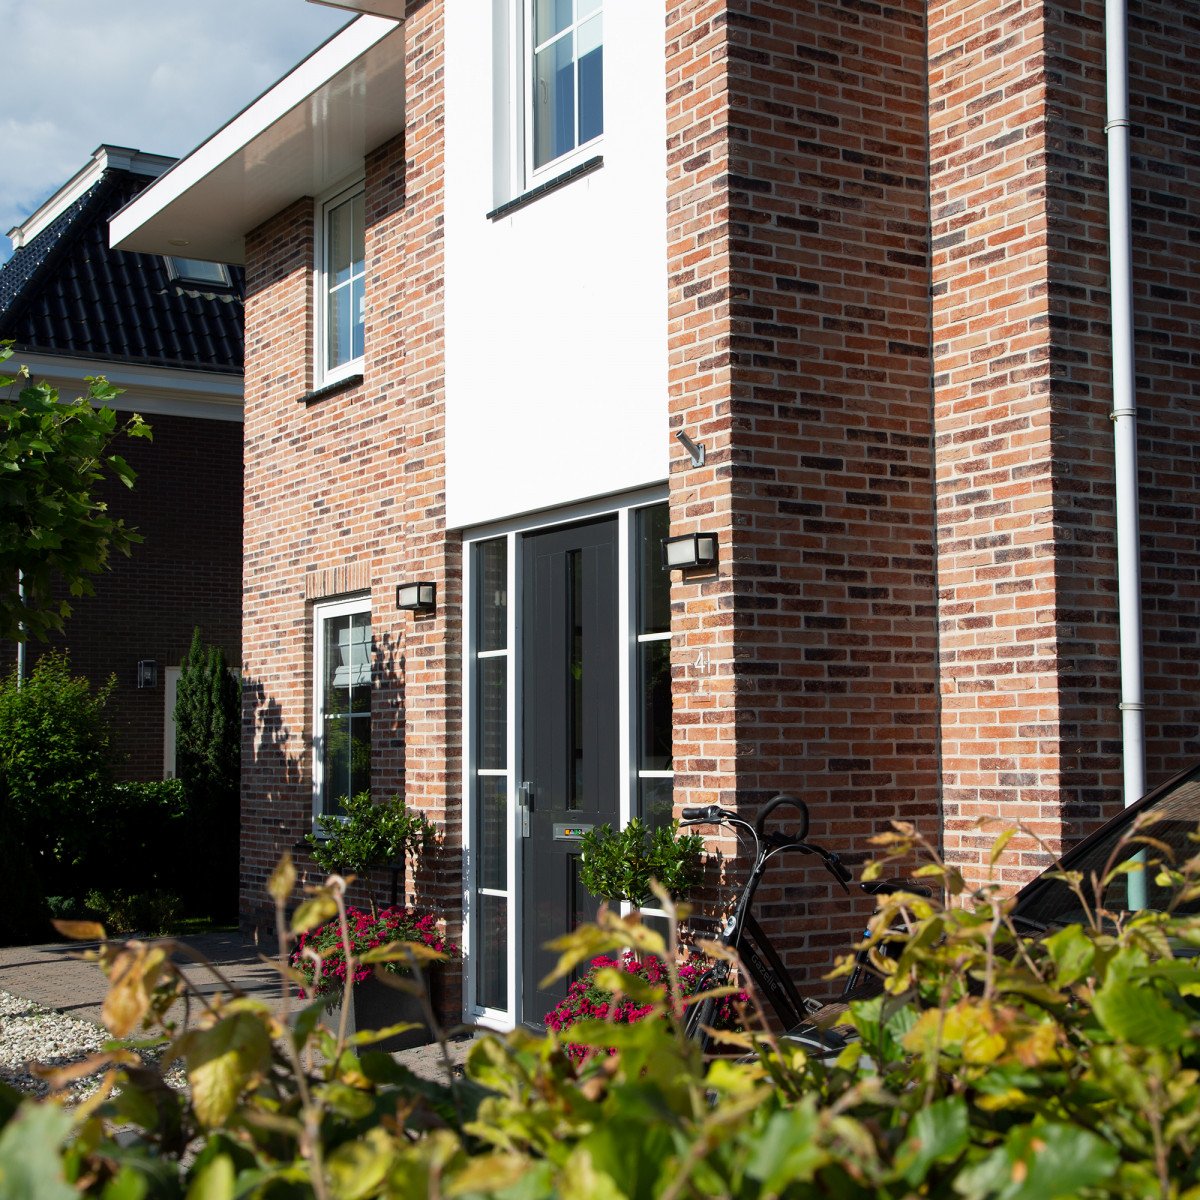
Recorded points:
(147, 673)
(689, 550)
(416, 597)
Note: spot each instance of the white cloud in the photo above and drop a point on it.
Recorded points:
(157, 75)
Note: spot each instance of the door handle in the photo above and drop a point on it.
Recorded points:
(525, 805)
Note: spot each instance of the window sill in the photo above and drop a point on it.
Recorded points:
(542, 189)
(332, 389)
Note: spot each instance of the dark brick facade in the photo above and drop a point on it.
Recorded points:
(187, 572)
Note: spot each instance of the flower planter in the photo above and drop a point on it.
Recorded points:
(375, 1005)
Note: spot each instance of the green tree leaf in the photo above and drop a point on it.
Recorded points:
(935, 1134)
(31, 1166)
(1139, 1015)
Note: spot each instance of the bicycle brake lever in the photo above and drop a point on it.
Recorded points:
(839, 871)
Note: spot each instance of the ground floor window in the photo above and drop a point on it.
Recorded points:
(568, 724)
(341, 733)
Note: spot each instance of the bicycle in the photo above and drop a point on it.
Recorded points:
(742, 934)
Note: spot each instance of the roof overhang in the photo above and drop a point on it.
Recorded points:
(152, 391)
(297, 139)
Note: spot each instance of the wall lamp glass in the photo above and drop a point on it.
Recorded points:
(689, 550)
(147, 673)
(416, 597)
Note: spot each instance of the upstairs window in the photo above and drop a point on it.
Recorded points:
(566, 78)
(341, 297)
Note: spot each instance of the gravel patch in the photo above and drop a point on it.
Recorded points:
(31, 1033)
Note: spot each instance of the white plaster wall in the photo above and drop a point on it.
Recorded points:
(556, 314)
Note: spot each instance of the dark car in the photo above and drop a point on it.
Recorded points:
(1171, 815)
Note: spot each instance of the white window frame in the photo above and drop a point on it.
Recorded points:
(323, 611)
(524, 74)
(326, 374)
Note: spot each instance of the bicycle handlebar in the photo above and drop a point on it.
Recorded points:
(777, 802)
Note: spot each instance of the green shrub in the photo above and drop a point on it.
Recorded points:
(992, 1067)
(55, 751)
(149, 913)
(619, 865)
(55, 748)
(208, 755)
(366, 835)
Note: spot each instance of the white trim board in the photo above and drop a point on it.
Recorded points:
(160, 391)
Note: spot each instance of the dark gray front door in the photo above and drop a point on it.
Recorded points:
(570, 751)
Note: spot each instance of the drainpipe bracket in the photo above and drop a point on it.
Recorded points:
(1131, 706)
(1118, 413)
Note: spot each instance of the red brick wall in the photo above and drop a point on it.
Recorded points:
(187, 572)
(1027, 571)
(800, 355)
(345, 494)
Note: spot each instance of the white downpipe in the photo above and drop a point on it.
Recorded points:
(21, 634)
(1124, 417)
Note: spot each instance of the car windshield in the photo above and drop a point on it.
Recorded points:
(1172, 818)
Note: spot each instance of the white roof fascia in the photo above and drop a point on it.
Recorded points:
(151, 391)
(380, 8)
(286, 144)
(122, 158)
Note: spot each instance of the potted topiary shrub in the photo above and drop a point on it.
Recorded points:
(618, 865)
(366, 835)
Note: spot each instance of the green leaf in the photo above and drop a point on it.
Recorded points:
(222, 1061)
(1040, 1162)
(1073, 953)
(214, 1181)
(312, 912)
(31, 1167)
(937, 1133)
(1139, 1015)
(787, 1150)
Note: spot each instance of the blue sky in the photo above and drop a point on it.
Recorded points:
(157, 75)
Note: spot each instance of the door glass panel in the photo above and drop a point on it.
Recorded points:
(575, 586)
(654, 584)
(656, 800)
(491, 970)
(492, 565)
(491, 837)
(493, 712)
(654, 697)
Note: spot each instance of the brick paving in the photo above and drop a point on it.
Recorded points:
(56, 976)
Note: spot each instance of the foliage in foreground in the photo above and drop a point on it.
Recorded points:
(990, 1066)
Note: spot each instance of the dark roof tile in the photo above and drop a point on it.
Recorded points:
(68, 293)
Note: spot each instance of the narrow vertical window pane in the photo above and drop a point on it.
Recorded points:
(491, 560)
(344, 708)
(576, 585)
(345, 278)
(590, 47)
(493, 713)
(654, 695)
(341, 331)
(656, 800)
(550, 17)
(654, 584)
(491, 972)
(554, 100)
(492, 831)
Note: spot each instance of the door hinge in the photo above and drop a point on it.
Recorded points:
(525, 806)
